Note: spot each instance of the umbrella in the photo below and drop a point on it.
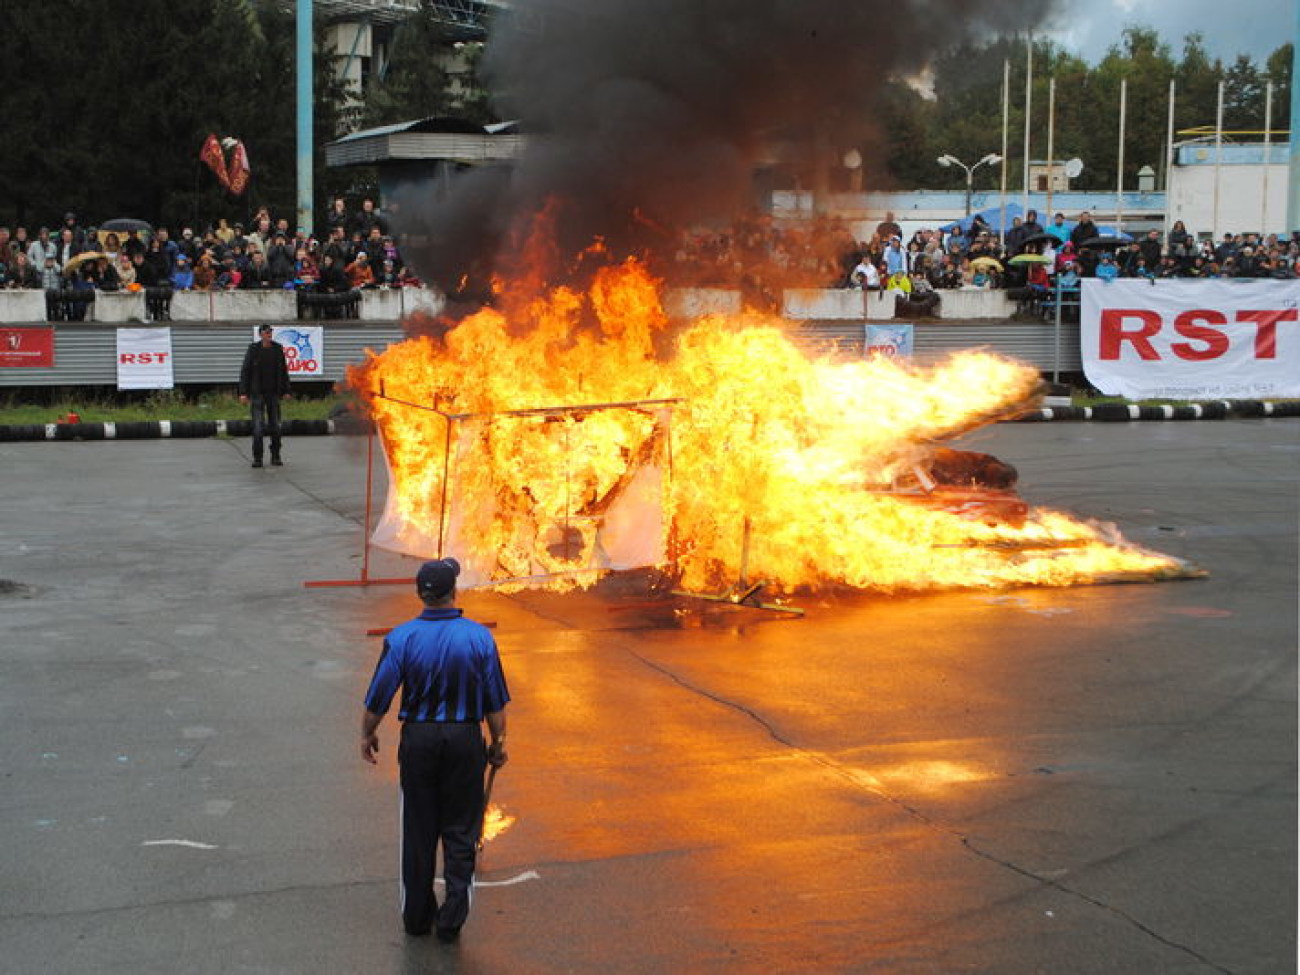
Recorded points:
(80, 259)
(126, 225)
(1031, 259)
(1040, 239)
(1104, 243)
(983, 262)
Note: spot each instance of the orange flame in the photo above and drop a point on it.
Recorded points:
(495, 822)
(776, 466)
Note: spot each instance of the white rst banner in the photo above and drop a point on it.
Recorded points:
(1193, 340)
(144, 358)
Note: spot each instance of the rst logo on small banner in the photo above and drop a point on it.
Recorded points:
(304, 349)
(1217, 339)
(29, 348)
(144, 358)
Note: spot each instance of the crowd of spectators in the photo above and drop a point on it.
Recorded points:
(762, 256)
(1032, 260)
(354, 251)
(758, 254)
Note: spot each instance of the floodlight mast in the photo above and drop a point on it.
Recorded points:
(946, 160)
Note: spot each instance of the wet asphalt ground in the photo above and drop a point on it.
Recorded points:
(1093, 780)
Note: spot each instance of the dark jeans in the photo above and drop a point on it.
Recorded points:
(442, 769)
(266, 420)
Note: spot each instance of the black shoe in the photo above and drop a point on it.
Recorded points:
(257, 461)
(418, 932)
(276, 461)
(448, 935)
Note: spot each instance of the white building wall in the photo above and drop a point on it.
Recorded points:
(1241, 198)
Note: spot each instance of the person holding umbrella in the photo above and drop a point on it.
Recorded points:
(1085, 230)
(449, 670)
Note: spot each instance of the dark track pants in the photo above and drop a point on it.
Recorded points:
(265, 414)
(442, 769)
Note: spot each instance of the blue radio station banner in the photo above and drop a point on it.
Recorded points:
(304, 349)
(892, 341)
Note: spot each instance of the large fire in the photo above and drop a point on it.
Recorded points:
(513, 437)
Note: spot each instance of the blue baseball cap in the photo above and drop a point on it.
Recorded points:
(437, 578)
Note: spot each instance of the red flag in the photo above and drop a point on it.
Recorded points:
(239, 171)
(215, 159)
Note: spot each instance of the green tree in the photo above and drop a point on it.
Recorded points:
(1277, 69)
(106, 109)
(1198, 84)
(1243, 96)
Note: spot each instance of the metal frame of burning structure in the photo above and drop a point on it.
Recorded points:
(603, 524)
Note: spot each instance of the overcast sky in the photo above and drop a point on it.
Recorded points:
(1231, 27)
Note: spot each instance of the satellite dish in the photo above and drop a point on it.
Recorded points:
(852, 159)
(1073, 168)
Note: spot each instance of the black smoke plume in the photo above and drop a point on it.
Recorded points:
(648, 116)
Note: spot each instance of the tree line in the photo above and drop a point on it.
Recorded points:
(105, 107)
(963, 114)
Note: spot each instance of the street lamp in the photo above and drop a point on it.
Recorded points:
(990, 160)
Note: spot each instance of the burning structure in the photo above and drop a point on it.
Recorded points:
(554, 439)
(570, 428)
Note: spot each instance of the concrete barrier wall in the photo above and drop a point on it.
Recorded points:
(254, 306)
(964, 303)
(698, 302)
(192, 306)
(392, 304)
(22, 306)
(117, 307)
(27, 307)
(837, 304)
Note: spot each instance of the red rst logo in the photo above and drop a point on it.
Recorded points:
(1208, 331)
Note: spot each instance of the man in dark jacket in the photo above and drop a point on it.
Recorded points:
(264, 381)
(1084, 231)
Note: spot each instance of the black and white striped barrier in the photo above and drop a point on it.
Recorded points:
(195, 429)
(169, 429)
(1128, 412)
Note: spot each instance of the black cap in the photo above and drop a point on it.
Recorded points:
(265, 328)
(437, 578)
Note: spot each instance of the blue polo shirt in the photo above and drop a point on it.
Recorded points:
(447, 666)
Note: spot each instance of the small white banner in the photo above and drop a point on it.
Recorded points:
(304, 349)
(144, 358)
(1192, 340)
(892, 341)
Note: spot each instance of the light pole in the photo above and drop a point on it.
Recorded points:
(946, 160)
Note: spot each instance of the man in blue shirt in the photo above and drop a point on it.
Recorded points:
(450, 675)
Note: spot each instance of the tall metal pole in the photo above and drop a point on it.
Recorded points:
(1268, 157)
(1029, 100)
(1293, 181)
(1051, 145)
(1218, 157)
(1169, 162)
(1119, 169)
(1006, 121)
(306, 216)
